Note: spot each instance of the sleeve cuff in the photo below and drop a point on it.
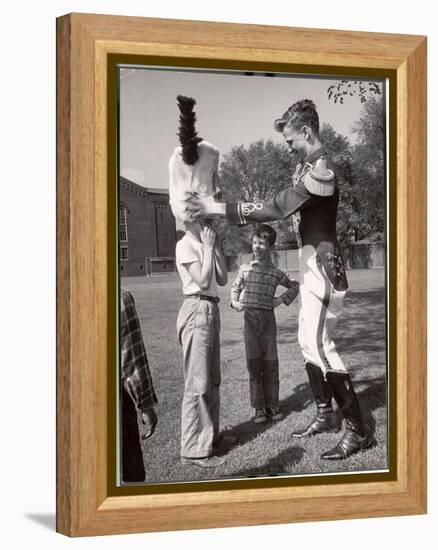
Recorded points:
(233, 213)
(289, 296)
(147, 403)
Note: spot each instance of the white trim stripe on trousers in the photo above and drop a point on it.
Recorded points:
(320, 308)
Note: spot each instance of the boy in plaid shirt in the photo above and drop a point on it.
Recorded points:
(253, 292)
(137, 390)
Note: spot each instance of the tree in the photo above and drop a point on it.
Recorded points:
(362, 204)
(370, 128)
(253, 173)
(256, 172)
(369, 169)
(345, 88)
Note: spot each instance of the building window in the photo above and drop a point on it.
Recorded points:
(123, 252)
(123, 225)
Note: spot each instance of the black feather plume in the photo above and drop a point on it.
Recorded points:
(188, 136)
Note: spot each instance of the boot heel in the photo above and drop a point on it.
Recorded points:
(357, 436)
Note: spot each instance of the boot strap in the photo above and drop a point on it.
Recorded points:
(350, 442)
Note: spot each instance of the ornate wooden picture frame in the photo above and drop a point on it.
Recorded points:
(89, 47)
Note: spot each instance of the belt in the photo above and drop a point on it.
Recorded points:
(213, 299)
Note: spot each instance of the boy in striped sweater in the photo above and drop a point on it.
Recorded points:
(253, 292)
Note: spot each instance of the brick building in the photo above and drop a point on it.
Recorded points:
(147, 230)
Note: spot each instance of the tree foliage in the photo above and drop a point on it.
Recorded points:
(253, 173)
(345, 88)
(369, 171)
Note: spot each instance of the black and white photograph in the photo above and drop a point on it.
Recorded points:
(252, 271)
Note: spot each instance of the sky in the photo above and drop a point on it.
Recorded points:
(232, 109)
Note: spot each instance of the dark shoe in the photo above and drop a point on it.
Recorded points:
(325, 421)
(274, 413)
(350, 444)
(356, 437)
(204, 463)
(260, 416)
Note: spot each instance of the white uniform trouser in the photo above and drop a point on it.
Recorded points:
(320, 308)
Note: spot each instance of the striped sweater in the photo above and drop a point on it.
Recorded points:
(256, 283)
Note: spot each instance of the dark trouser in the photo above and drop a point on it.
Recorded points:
(132, 456)
(261, 357)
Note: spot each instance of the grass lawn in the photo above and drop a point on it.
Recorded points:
(265, 449)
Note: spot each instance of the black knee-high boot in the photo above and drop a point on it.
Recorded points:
(325, 419)
(356, 436)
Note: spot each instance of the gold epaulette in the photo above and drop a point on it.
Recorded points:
(320, 180)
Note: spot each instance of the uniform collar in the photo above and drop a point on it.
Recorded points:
(311, 157)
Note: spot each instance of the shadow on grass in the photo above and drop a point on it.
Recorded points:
(371, 398)
(230, 342)
(283, 463)
(246, 431)
(362, 325)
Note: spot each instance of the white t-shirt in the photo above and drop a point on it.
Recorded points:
(189, 250)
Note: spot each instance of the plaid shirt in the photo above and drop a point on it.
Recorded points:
(255, 286)
(136, 376)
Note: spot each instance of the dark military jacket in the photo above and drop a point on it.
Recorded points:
(313, 202)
